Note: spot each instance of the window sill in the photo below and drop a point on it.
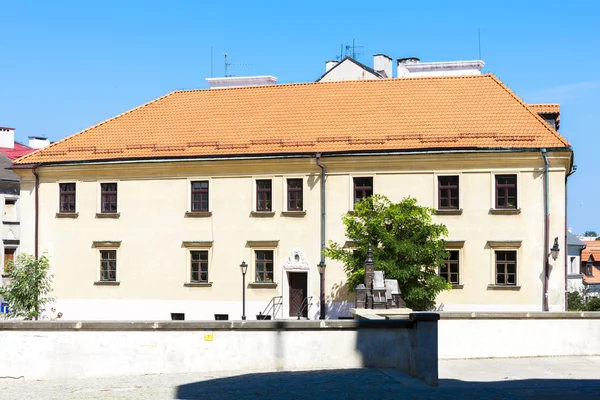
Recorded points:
(67, 215)
(5, 276)
(505, 211)
(449, 211)
(198, 214)
(108, 215)
(198, 284)
(296, 214)
(457, 286)
(107, 283)
(263, 285)
(11, 222)
(504, 287)
(262, 214)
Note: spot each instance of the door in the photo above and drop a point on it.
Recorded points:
(298, 291)
(9, 255)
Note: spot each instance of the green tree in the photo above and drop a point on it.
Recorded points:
(576, 301)
(29, 286)
(406, 244)
(590, 234)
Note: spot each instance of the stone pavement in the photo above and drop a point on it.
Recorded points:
(528, 378)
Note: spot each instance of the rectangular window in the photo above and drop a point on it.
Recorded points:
(67, 197)
(294, 194)
(264, 265)
(9, 257)
(108, 197)
(506, 191)
(363, 188)
(448, 192)
(263, 195)
(199, 270)
(451, 267)
(108, 265)
(200, 196)
(506, 267)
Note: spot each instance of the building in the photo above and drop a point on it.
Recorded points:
(150, 214)
(590, 267)
(350, 69)
(10, 150)
(575, 275)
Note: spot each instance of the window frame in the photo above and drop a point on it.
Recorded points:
(102, 260)
(506, 187)
(295, 190)
(62, 193)
(104, 193)
(506, 264)
(268, 193)
(448, 188)
(200, 192)
(256, 261)
(448, 262)
(363, 188)
(199, 261)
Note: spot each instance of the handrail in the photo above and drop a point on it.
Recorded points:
(306, 303)
(272, 306)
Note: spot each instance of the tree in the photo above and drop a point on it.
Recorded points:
(407, 246)
(590, 234)
(580, 300)
(29, 286)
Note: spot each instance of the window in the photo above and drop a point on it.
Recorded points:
(506, 191)
(108, 265)
(294, 190)
(263, 195)
(200, 196)
(448, 192)
(67, 197)
(363, 188)
(9, 256)
(450, 269)
(199, 266)
(264, 265)
(506, 267)
(108, 197)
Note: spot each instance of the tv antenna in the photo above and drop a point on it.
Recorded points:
(229, 64)
(350, 51)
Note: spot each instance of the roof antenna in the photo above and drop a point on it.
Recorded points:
(229, 64)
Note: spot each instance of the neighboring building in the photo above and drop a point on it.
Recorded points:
(152, 212)
(590, 267)
(9, 191)
(350, 69)
(574, 270)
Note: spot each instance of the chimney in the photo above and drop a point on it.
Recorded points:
(37, 142)
(383, 65)
(402, 62)
(330, 64)
(7, 137)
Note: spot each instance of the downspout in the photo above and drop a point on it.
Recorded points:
(546, 233)
(37, 209)
(573, 169)
(320, 165)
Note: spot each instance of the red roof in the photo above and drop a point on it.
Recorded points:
(18, 151)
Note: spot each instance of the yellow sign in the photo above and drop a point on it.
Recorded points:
(208, 336)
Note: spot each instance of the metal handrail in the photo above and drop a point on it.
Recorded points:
(306, 303)
(272, 306)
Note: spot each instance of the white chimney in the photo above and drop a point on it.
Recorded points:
(383, 64)
(240, 81)
(330, 64)
(402, 63)
(37, 142)
(7, 137)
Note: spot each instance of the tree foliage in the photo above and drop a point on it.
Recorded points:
(29, 286)
(590, 234)
(406, 244)
(582, 301)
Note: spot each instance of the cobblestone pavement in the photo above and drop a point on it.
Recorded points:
(466, 379)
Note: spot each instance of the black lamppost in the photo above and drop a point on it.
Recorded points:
(244, 269)
(555, 249)
(321, 266)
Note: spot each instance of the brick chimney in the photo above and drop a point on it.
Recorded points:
(7, 137)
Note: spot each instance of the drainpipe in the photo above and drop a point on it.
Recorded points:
(546, 232)
(322, 263)
(573, 169)
(37, 208)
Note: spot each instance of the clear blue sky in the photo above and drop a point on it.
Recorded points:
(69, 64)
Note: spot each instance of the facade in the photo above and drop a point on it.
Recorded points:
(574, 269)
(9, 193)
(150, 214)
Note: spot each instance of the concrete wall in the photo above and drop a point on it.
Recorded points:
(53, 350)
(495, 335)
(153, 264)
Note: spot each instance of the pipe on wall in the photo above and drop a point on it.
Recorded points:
(572, 170)
(545, 306)
(320, 165)
(37, 210)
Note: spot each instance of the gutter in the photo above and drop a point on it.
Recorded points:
(573, 169)
(545, 306)
(320, 165)
(37, 209)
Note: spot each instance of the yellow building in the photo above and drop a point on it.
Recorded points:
(152, 212)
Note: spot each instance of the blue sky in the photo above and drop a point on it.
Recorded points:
(70, 64)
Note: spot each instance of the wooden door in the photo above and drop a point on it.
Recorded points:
(298, 291)
(9, 255)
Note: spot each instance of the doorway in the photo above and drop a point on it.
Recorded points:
(298, 293)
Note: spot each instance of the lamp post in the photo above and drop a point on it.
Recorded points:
(321, 266)
(555, 249)
(244, 269)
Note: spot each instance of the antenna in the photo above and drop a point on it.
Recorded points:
(479, 40)
(229, 64)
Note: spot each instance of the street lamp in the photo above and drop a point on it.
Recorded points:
(555, 249)
(244, 269)
(321, 266)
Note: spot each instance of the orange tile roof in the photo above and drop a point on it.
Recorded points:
(593, 249)
(471, 112)
(547, 109)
